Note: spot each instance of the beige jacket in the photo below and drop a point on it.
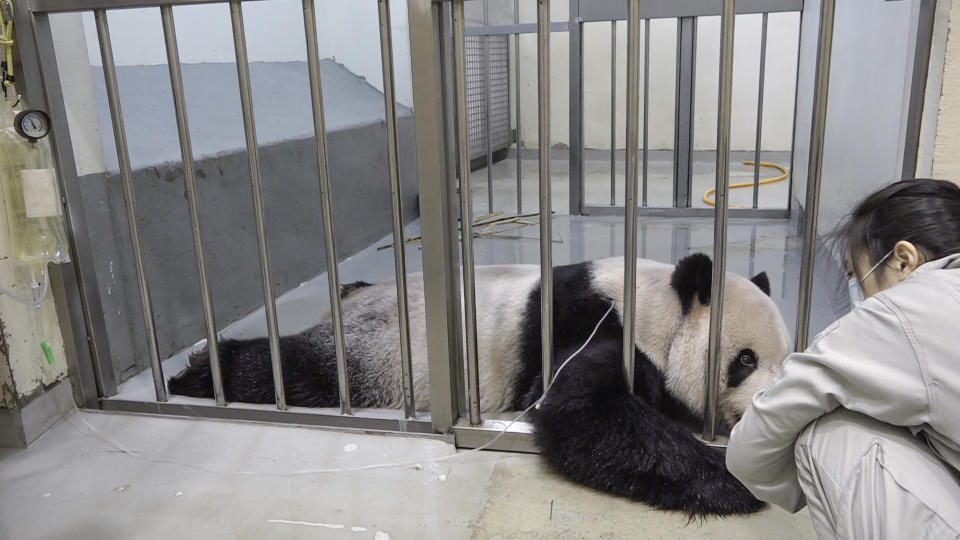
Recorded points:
(896, 358)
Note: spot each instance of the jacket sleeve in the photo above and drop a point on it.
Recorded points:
(865, 362)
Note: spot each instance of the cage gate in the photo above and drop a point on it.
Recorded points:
(461, 103)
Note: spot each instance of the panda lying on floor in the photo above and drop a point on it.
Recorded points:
(589, 427)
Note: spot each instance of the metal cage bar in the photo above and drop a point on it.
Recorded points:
(695, 212)
(720, 219)
(577, 188)
(516, 89)
(323, 171)
(613, 113)
(189, 177)
(396, 199)
(814, 171)
(684, 110)
(129, 198)
(256, 188)
(630, 202)
(67, 6)
(592, 11)
(488, 104)
(450, 187)
(918, 87)
(507, 29)
(428, 46)
(247, 412)
(793, 127)
(546, 216)
(756, 151)
(646, 103)
(605, 10)
(466, 215)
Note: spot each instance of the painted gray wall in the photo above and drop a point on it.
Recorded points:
(870, 76)
(356, 139)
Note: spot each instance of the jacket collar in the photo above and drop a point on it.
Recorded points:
(950, 261)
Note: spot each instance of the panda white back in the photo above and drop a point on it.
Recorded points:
(674, 341)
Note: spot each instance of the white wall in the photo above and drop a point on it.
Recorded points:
(79, 102)
(870, 76)
(347, 32)
(596, 83)
(780, 80)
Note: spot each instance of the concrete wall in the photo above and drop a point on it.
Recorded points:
(946, 152)
(356, 142)
(33, 392)
(870, 80)
(348, 32)
(934, 86)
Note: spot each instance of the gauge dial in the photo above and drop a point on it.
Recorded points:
(32, 124)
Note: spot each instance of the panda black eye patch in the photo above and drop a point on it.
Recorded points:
(741, 367)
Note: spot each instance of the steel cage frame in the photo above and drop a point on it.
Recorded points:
(686, 13)
(438, 123)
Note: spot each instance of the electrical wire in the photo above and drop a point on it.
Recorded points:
(43, 294)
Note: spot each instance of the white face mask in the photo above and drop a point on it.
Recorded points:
(855, 291)
(855, 286)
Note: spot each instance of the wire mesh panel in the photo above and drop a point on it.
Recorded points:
(499, 85)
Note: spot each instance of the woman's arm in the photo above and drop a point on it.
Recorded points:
(865, 362)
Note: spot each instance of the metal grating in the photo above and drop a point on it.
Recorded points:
(499, 73)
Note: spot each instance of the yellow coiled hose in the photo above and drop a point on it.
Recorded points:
(763, 181)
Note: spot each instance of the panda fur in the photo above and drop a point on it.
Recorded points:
(590, 427)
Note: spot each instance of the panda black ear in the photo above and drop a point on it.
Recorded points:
(691, 279)
(761, 280)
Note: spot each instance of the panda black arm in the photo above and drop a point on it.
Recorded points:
(592, 430)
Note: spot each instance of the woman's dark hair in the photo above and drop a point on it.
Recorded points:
(923, 212)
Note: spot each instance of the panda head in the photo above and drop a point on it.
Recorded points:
(753, 339)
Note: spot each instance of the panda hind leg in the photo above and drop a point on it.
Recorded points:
(309, 376)
(592, 430)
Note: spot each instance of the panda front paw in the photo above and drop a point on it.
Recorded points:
(722, 495)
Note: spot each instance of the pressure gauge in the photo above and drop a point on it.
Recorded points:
(32, 124)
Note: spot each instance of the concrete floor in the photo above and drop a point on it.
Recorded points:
(105, 476)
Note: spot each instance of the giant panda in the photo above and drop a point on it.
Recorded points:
(589, 427)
